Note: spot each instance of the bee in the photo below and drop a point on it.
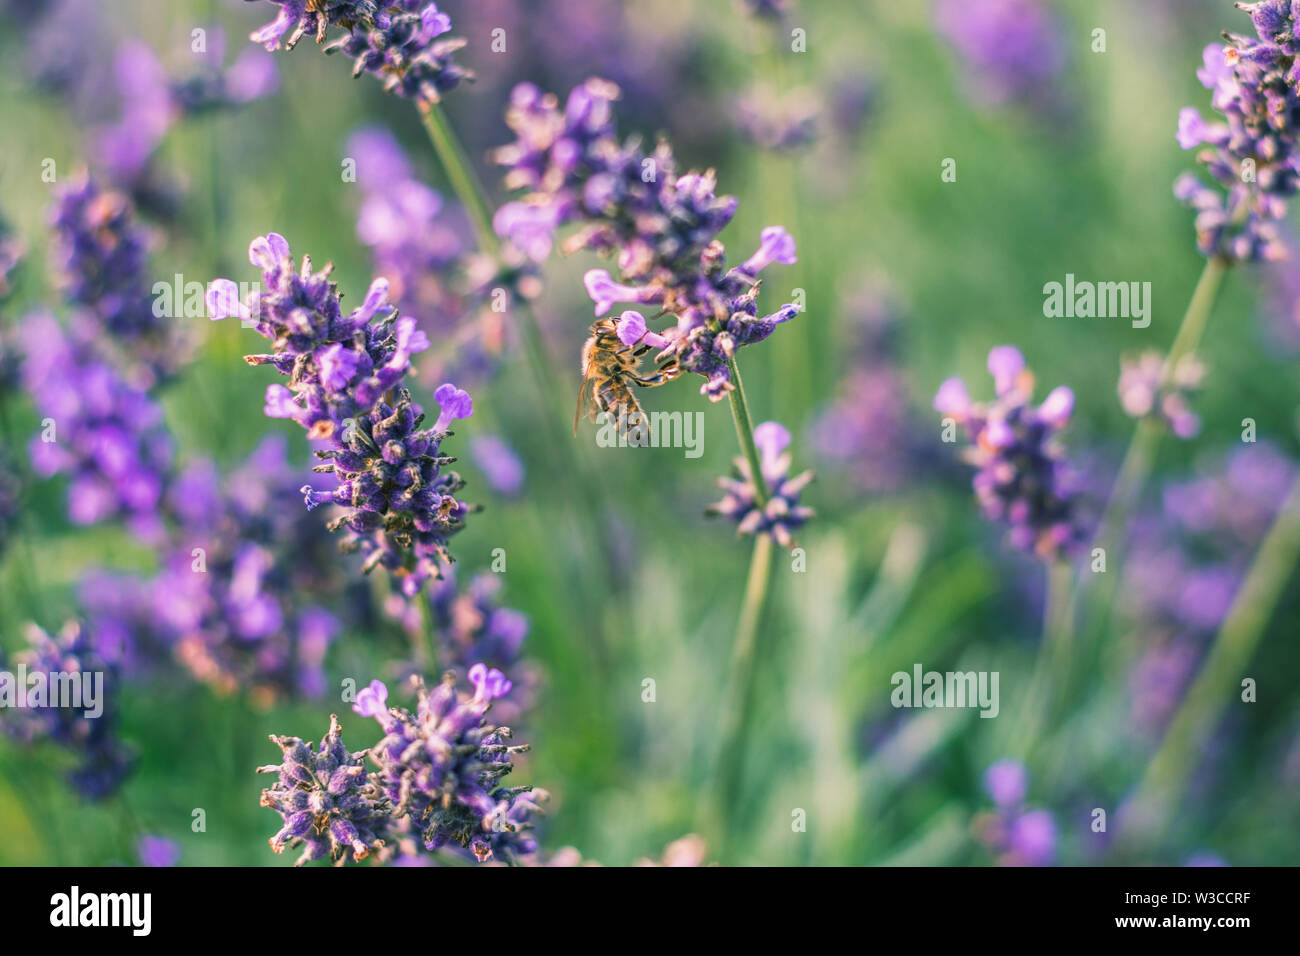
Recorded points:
(608, 367)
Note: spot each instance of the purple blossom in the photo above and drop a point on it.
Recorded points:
(661, 226)
(1021, 477)
(104, 434)
(102, 268)
(472, 627)
(157, 851)
(102, 761)
(299, 18)
(1007, 783)
(782, 513)
(372, 701)
(401, 42)
(149, 102)
(1252, 153)
(499, 463)
(1012, 51)
(239, 602)
(1019, 836)
(441, 767)
(420, 245)
(346, 387)
(400, 46)
(1148, 388)
(327, 802)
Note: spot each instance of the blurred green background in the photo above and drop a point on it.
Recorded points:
(893, 578)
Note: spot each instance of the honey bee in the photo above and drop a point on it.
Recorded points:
(608, 367)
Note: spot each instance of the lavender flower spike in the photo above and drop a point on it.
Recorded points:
(328, 804)
(346, 387)
(1021, 478)
(401, 42)
(1252, 153)
(441, 766)
(783, 512)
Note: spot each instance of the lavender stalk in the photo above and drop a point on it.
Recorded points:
(1232, 650)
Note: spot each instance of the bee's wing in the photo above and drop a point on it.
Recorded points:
(583, 399)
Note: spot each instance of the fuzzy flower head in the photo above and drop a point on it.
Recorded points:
(346, 387)
(782, 513)
(404, 47)
(87, 728)
(329, 805)
(1147, 387)
(102, 432)
(400, 42)
(101, 255)
(441, 767)
(1251, 150)
(1021, 477)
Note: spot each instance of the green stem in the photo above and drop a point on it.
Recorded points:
(1219, 677)
(590, 497)
(468, 188)
(739, 718)
(1051, 670)
(745, 433)
(1140, 457)
(422, 650)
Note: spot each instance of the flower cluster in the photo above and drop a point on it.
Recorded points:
(1148, 386)
(102, 432)
(1012, 51)
(782, 513)
(102, 269)
(86, 727)
(1019, 836)
(1022, 479)
(501, 467)
(1252, 153)
(441, 767)
(329, 804)
(662, 227)
(401, 42)
(345, 387)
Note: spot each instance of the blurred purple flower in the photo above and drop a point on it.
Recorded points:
(499, 463)
(157, 851)
(783, 513)
(1012, 51)
(1022, 479)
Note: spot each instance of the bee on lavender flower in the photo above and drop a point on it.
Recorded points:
(608, 367)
